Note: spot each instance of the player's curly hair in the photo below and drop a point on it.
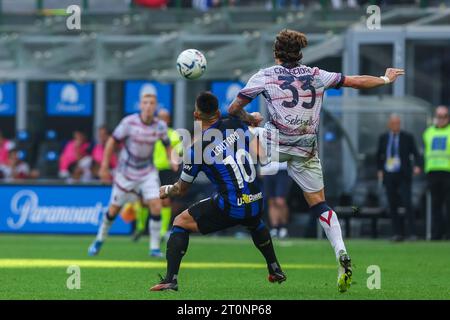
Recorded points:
(288, 46)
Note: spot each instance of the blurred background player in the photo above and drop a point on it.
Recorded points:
(167, 171)
(140, 213)
(437, 167)
(293, 94)
(395, 149)
(167, 175)
(238, 200)
(277, 185)
(136, 172)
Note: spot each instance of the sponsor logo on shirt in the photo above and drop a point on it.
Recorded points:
(249, 198)
(298, 121)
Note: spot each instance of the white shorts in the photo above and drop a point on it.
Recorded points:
(125, 190)
(306, 172)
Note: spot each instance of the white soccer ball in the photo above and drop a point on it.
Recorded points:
(191, 64)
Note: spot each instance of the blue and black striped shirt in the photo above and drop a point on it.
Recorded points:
(223, 154)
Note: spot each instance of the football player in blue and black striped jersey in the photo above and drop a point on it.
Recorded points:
(223, 154)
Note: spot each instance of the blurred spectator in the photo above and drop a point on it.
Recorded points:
(15, 168)
(5, 146)
(277, 184)
(294, 4)
(73, 151)
(81, 170)
(437, 167)
(337, 4)
(154, 4)
(179, 4)
(205, 5)
(167, 172)
(395, 149)
(97, 153)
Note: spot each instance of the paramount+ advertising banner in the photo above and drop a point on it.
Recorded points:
(134, 90)
(56, 209)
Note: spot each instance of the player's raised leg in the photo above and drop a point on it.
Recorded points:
(307, 173)
(330, 224)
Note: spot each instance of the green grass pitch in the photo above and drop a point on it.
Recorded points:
(35, 267)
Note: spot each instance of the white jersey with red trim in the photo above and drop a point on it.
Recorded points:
(294, 100)
(138, 138)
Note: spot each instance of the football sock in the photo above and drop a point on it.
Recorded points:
(141, 217)
(154, 229)
(330, 224)
(166, 214)
(105, 226)
(176, 248)
(263, 241)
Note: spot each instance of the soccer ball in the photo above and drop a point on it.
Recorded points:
(191, 64)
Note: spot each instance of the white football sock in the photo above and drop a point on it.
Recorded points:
(104, 228)
(330, 224)
(155, 233)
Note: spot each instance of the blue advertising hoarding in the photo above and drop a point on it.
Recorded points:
(134, 90)
(55, 209)
(8, 99)
(69, 99)
(226, 91)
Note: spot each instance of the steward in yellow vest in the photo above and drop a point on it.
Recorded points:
(437, 167)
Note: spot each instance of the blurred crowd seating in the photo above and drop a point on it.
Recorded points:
(23, 6)
(49, 157)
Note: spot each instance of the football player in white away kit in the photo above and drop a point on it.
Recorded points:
(293, 94)
(135, 172)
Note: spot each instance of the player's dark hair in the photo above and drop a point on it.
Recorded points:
(207, 103)
(288, 46)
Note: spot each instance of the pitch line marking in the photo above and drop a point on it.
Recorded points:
(54, 263)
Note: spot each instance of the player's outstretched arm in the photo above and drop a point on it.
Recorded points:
(369, 82)
(175, 190)
(237, 109)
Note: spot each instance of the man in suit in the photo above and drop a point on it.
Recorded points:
(395, 169)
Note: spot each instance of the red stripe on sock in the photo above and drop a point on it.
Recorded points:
(327, 220)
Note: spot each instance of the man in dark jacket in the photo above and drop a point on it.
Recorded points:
(395, 168)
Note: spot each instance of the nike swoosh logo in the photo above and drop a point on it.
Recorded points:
(190, 66)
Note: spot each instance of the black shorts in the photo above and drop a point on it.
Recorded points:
(210, 218)
(168, 177)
